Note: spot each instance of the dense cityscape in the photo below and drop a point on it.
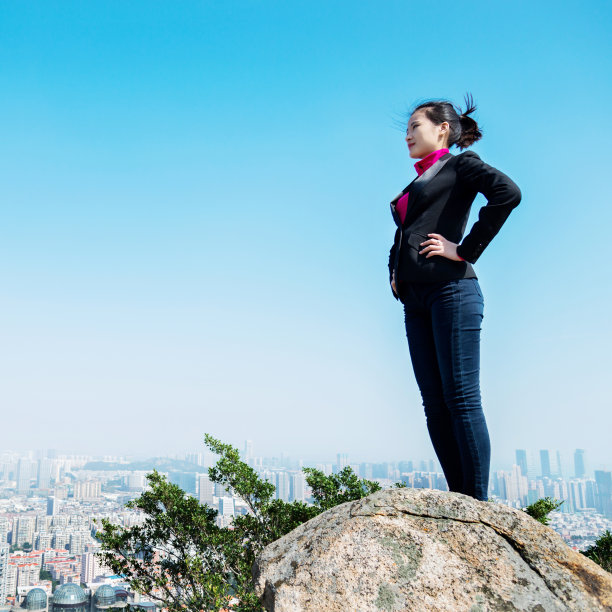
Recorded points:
(51, 505)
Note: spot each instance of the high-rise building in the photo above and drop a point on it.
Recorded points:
(577, 495)
(512, 486)
(604, 492)
(52, 506)
(579, 465)
(185, 480)
(4, 529)
(298, 487)
(4, 563)
(342, 461)
(44, 540)
(248, 451)
(26, 471)
(283, 486)
(206, 489)
(87, 489)
(136, 481)
(77, 543)
(558, 469)
(195, 458)
(545, 463)
(44, 473)
(521, 460)
(222, 490)
(88, 567)
(226, 506)
(23, 531)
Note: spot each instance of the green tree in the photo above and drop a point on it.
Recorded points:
(601, 551)
(329, 491)
(181, 558)
(541, 508)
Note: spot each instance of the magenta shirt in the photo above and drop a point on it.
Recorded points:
(423, 164)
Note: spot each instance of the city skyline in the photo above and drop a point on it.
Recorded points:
(532, 462)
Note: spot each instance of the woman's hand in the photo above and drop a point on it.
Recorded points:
(393, 287)
(439, 245)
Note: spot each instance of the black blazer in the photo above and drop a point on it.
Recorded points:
(439, 202)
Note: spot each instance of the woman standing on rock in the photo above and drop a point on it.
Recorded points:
(430, 271)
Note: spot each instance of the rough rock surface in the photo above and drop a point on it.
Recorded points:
(427, 550)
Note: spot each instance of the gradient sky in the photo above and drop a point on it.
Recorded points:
(195, 225)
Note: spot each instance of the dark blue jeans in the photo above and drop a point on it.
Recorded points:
(443, 322)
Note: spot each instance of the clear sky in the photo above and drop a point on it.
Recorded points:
(195, 222)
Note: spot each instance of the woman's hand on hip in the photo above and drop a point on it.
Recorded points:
(439, 245)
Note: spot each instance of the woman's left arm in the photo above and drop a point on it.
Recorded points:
(502, 193)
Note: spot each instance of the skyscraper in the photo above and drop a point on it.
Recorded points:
(206, 489)
(26, 470)
(521, 460)
(604, 492)
(579, 466)
(4, 559)
(44, 473)
(248, 451)
(545, 463)
(52, 506)
(558, 471)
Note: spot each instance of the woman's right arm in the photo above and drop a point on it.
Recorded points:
(502, 193)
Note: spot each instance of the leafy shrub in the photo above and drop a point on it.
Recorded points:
(179, 556)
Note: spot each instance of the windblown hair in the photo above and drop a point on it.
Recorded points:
(464, 130)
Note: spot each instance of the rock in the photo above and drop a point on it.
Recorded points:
(427, 550)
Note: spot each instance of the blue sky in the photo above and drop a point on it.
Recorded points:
(195, 223)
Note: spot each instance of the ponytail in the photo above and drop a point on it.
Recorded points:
(464, 130)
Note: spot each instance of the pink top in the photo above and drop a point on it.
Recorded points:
(423, 164)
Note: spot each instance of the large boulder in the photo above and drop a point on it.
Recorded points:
(427, 550)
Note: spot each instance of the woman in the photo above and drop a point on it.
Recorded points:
(431, 273)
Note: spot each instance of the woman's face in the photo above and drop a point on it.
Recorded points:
(423, 137)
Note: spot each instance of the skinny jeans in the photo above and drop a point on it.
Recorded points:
(443, 323)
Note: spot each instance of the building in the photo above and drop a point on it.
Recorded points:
(4, 564)
(545, 463)
(53, 505)
(298, 486)
(26, 471)
(77, 543)
(226, 506)
(5, 528)
(36, 599)
(108, 598)
(44, 473)
(248, 451)
(71, 598)
(283, 484)
(579, 464)
(23, 531)
(342, 461)
(521, 461)
(206, 490)
(87, 489)
(604, 492)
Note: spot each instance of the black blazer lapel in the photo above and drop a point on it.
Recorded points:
(417, 186)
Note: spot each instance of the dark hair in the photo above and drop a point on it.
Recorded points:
(464, 131)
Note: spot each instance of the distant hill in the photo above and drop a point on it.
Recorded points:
(161, 464)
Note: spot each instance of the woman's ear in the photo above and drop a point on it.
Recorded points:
(444, 132)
